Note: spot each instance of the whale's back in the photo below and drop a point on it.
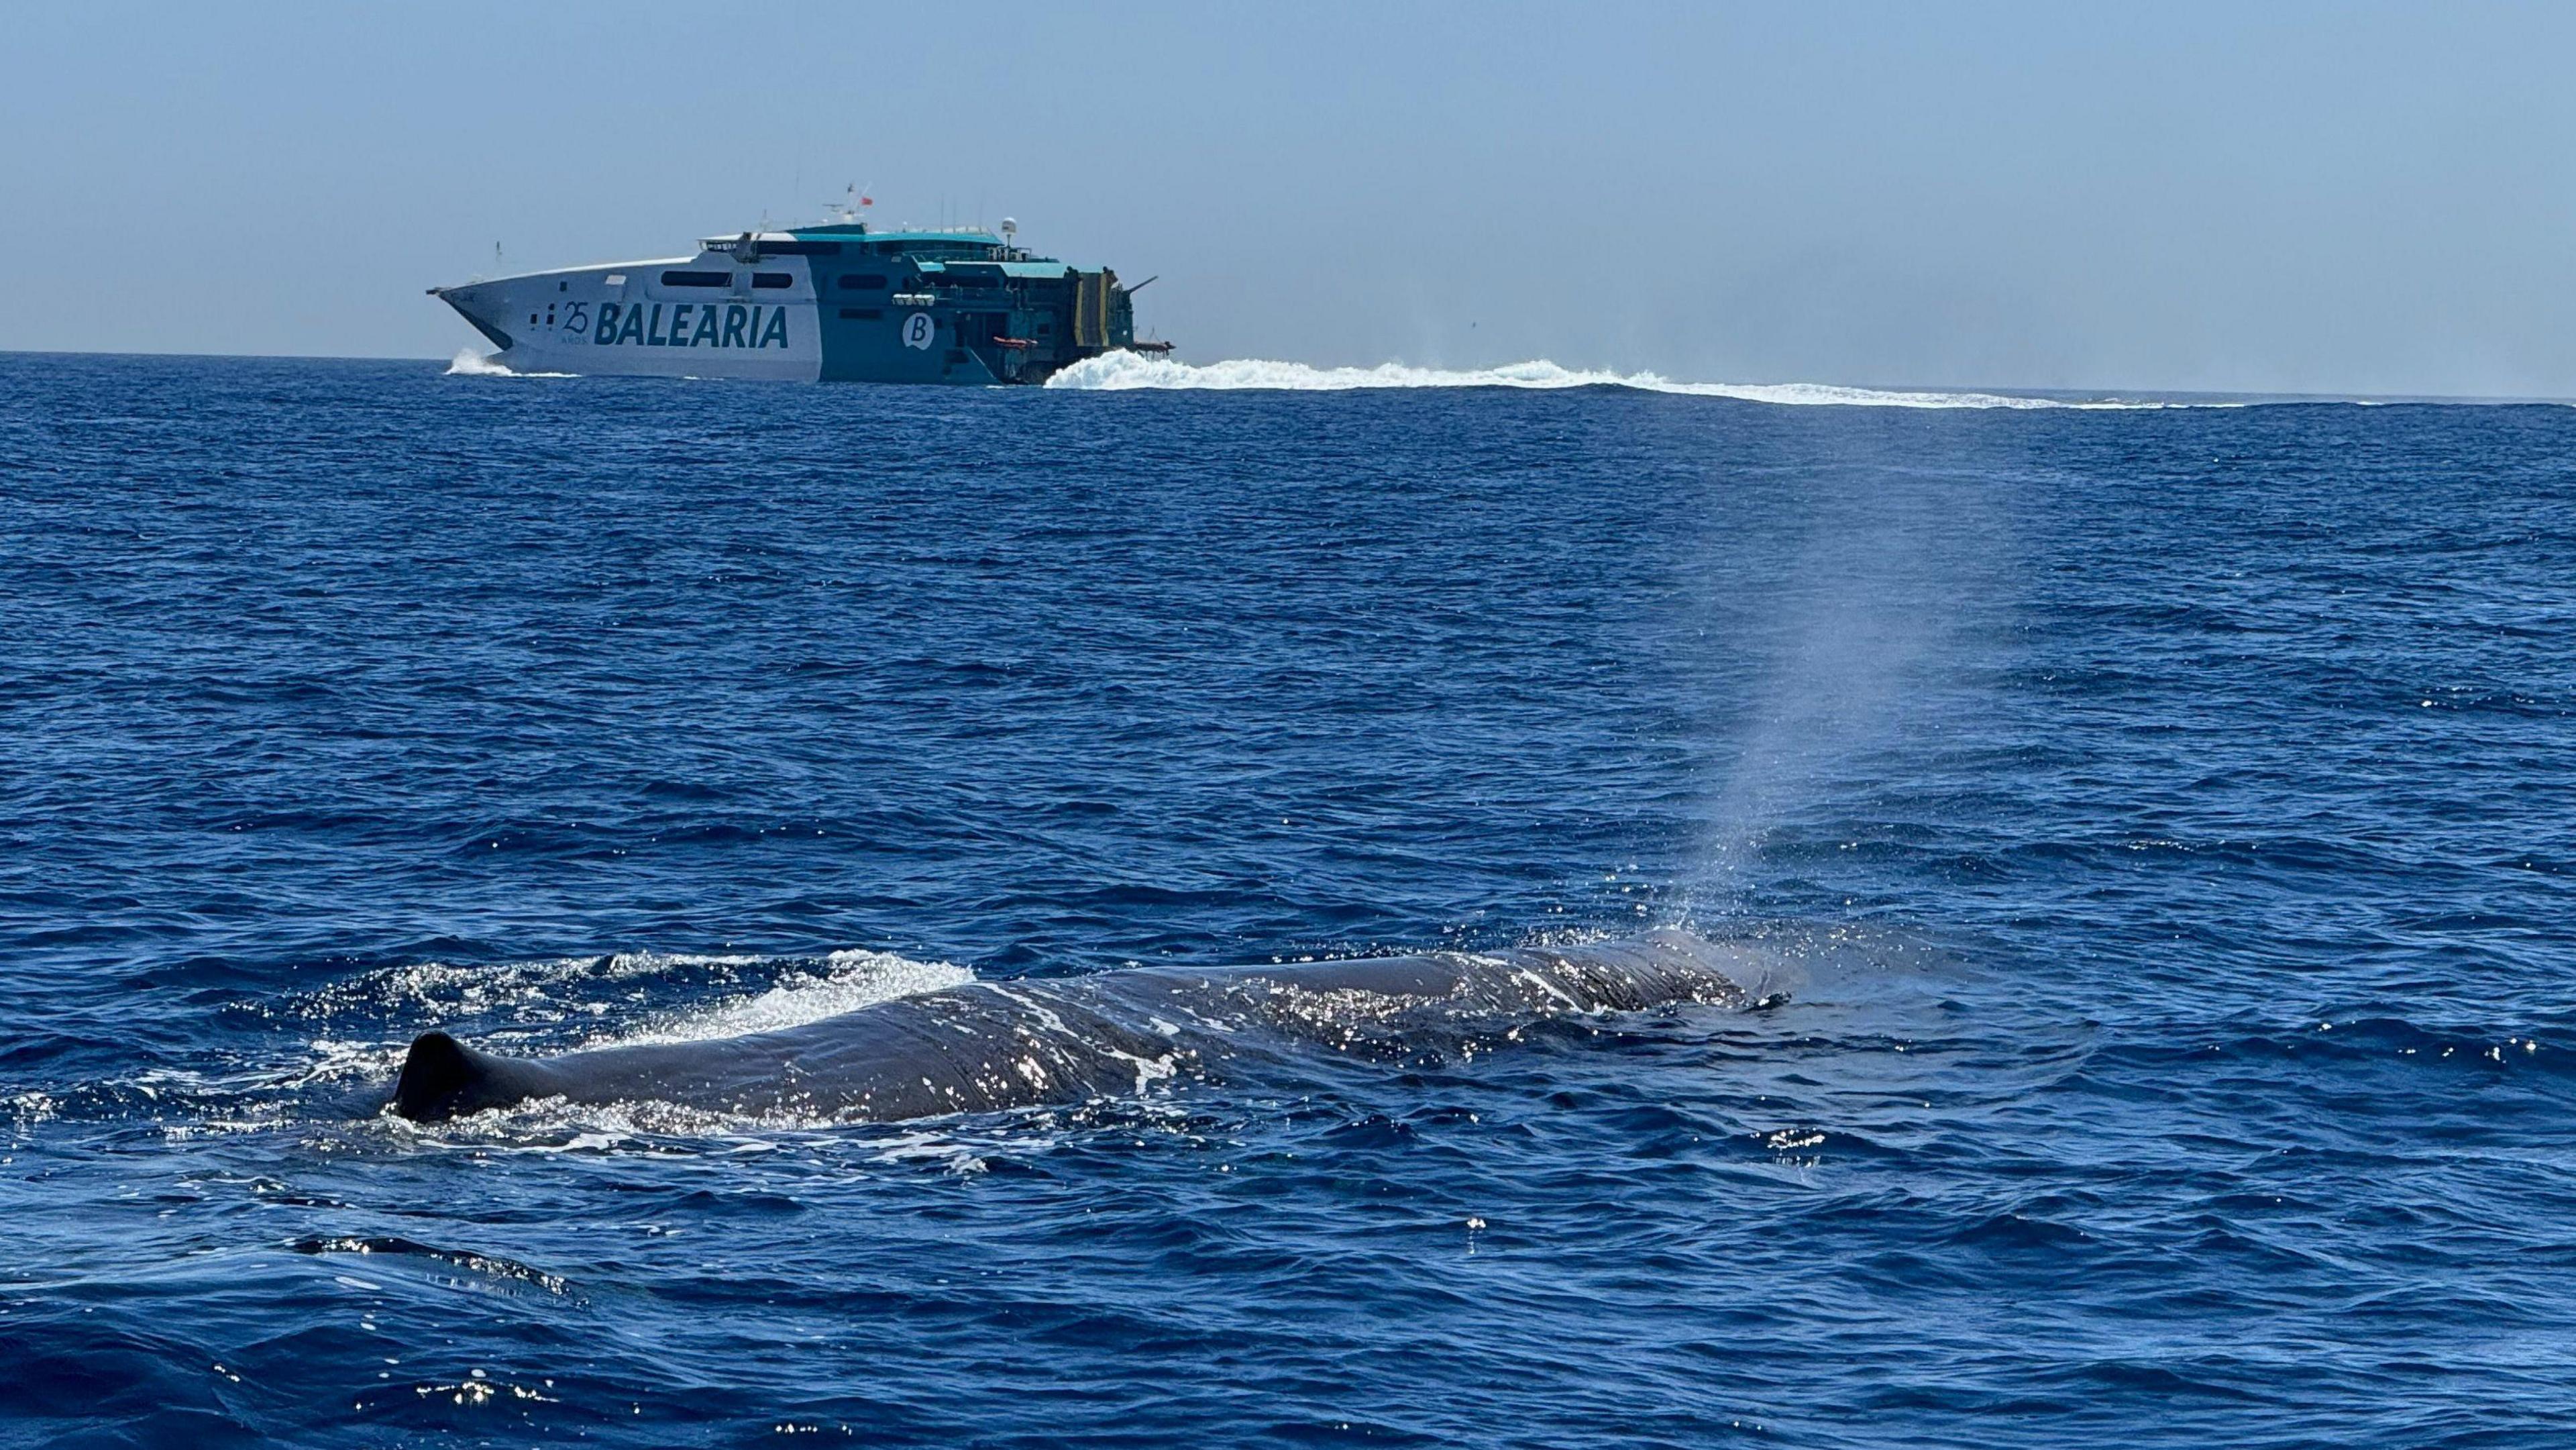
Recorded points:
(991, 1045)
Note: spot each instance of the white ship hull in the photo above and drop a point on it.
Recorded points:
(627, 319)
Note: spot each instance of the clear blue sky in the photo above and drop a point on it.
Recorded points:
(2248, 197)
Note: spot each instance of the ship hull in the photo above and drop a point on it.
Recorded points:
(623, 320)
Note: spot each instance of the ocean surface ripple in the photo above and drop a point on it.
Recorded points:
(2167, 819)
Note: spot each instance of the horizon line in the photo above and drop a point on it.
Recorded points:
(2000, 389)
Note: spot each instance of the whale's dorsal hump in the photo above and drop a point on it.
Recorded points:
(442, 1077)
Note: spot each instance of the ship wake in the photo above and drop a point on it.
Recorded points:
(1122, 371)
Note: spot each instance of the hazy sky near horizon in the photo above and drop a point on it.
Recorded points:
(2285, 197)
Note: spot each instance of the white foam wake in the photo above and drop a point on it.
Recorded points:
(522, 1006)
(1119, 371)
(849, 981)
(471, 364)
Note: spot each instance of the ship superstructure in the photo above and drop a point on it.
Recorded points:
(840, 301)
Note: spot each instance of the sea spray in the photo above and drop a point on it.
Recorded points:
(1126, 371)
(1869, 615)
(471, 364)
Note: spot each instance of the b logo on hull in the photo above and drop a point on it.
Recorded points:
(918, 330)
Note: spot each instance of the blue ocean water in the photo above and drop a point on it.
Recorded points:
(2169, 810)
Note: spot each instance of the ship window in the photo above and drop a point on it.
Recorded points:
(862, 314)
(863, 282)
(563, 286)
(772, 279)
(695, 279)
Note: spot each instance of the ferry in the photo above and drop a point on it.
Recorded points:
(839, 301)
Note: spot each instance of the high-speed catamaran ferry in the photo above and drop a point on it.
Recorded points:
(839, 301)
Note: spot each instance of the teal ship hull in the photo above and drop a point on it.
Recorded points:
(833, 303)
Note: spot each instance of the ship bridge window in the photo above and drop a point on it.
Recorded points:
(696, 279)
(863, 282)
(772, 279)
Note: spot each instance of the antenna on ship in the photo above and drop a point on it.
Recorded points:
(853, 205)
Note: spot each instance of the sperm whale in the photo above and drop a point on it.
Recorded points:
(996, 1044)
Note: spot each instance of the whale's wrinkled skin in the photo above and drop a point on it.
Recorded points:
(1006, 1044)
